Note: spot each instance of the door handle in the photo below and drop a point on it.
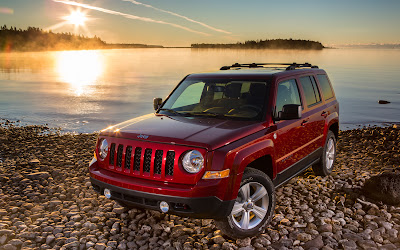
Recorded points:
(324, 114)
(304, 122)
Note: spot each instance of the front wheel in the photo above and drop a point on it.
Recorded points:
(253, 208)
(325, 166)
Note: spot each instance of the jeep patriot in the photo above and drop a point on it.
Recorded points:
(220, 144)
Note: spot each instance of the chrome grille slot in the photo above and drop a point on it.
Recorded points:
(158, 161)
(119, 155)
(147, 160)
(112, 153)
(169, 164)
(136, 159)
(128, 155)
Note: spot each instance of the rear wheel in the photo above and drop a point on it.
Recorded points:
(325, 166)
(253, 208)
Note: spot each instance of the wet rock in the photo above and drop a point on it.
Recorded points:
(384, 187)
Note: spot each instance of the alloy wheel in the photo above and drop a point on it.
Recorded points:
(251, 206)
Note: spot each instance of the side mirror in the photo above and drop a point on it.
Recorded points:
(157, 103)
(290, 112)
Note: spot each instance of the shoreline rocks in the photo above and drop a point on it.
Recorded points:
(46, 201)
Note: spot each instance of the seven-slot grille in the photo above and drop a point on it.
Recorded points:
(143, 158)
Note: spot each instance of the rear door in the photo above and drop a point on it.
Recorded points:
(314, 115)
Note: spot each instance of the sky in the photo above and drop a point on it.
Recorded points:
(183, 22)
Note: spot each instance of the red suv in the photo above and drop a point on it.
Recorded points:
(221, 143)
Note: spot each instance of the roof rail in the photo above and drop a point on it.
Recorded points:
(289, 66)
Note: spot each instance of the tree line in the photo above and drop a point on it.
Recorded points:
(265, 44)
(36, 39)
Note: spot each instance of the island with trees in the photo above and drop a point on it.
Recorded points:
(36, 39)
(265, 44)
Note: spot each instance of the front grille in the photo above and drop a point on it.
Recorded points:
(119, 155)
(112, 153)
(169, 164)
(158, 161)
(136, 159)
(128, 156)
(147, 162)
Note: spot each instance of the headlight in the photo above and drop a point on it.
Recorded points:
(103, 148)
(193, 161)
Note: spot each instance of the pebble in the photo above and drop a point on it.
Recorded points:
(51, 204)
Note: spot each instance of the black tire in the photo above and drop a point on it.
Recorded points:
(253, 179)
(323, 167)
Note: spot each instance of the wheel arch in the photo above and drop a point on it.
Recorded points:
(259, 155)
(264, 164)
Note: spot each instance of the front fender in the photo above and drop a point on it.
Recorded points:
(238, 155)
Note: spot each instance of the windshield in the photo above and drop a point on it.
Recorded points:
(222, 98)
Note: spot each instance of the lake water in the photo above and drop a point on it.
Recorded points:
(85, 91)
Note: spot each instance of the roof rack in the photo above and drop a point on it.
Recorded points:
(289, 66)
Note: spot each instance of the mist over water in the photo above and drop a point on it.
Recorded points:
(85, 91)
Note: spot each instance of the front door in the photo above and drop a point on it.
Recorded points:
(289, 137)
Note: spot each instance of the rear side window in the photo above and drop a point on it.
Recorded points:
(310, 90)
(325, 86)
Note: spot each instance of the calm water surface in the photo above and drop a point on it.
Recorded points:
(85, 91)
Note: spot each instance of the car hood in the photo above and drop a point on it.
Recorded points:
(209, 133)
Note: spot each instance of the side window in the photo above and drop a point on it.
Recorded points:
(310, 90)
(325, 86)
(191, 95)
(288, 93)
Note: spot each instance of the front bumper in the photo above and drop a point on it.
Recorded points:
(197, 207)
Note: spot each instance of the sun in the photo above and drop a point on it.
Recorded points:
(76, 18)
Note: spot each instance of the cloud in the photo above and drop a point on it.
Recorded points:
(6, 11)
(144, 19)
(178, 15)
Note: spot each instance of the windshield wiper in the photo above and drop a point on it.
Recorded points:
(175, 112)
(205, 113)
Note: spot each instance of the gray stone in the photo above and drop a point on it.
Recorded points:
(3, 239)
(243, 242)
(16, 242)
(9, 247)
(304, 237)
(218, 239)
(348, 244)
(6, 232)
(49, 239)
(100, 246)
(315, 243)
(38, 176)
(112, 244)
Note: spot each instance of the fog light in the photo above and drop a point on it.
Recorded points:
(107, 193)
(164, 206)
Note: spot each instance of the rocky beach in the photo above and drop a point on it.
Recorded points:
(46, 201)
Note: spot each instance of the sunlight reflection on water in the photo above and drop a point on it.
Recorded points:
(80, 69)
